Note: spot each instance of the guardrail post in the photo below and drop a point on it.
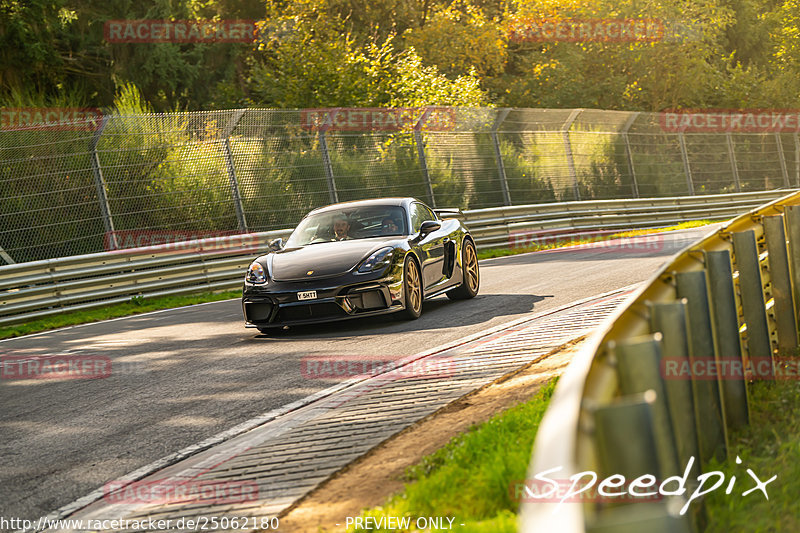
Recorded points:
(712, 437)
(326, 158)
(629, 153)
(686, 169)
(501, 168)
(732, 157)
(780, 284)
(670, 320)
(638, 364)
(629, 424)
(745, 253)
(423, 161)
(631, 417)
(782, 159)
(735, 409)
(568, 150)
(100, 185)
(792, 215)
(234, 183)
(796, 160)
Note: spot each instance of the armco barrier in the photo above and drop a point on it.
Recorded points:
(43, 288)
(730, 301)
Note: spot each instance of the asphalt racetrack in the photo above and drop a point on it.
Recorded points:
(183, 375)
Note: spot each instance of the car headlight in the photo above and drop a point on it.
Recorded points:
(377, 261)
(256, 273)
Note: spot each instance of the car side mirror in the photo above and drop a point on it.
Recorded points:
(276, 244)
(429, 226)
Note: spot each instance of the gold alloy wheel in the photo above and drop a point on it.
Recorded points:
(471, 264)
(413, 288)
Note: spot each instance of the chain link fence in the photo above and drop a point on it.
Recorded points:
(124, 181)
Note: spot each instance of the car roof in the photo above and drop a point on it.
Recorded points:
(366, 203)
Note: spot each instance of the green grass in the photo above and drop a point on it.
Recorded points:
(470, 477)
(503, 252)
(769, 446)
(136, 306)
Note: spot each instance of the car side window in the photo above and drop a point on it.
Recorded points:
(419, 214)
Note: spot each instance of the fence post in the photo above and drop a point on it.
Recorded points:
(732, 157)
(782, 159)
(686, 169)
(501, 169)
(7, 258)
(326, 158)
(423, 162)
(234, 183)
(100, 185)
(568, 150)
(629, 153)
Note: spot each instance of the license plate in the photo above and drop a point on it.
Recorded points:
(308, 295)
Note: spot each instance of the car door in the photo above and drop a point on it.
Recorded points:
(430, 247)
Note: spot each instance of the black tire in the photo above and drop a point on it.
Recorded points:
(412, 290)
(469, 269)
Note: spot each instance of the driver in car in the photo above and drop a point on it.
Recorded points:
(388, 227)
(341, 226)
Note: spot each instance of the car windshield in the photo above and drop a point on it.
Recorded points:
(349, 223)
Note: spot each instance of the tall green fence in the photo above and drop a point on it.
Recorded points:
(69, 189)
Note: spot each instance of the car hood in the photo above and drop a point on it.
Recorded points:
(324, 259)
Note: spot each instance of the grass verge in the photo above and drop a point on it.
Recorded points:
(537, 247)
(769, 446)
(471, 477)
(134, 307)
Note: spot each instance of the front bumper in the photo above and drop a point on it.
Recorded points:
(275, 304)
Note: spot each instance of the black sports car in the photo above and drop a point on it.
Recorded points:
(359, 259)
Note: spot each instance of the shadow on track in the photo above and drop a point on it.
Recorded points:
(438, 313)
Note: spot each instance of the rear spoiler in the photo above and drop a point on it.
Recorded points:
(449, 212)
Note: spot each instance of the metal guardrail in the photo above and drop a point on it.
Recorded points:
(43, 288)
(732, 301)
